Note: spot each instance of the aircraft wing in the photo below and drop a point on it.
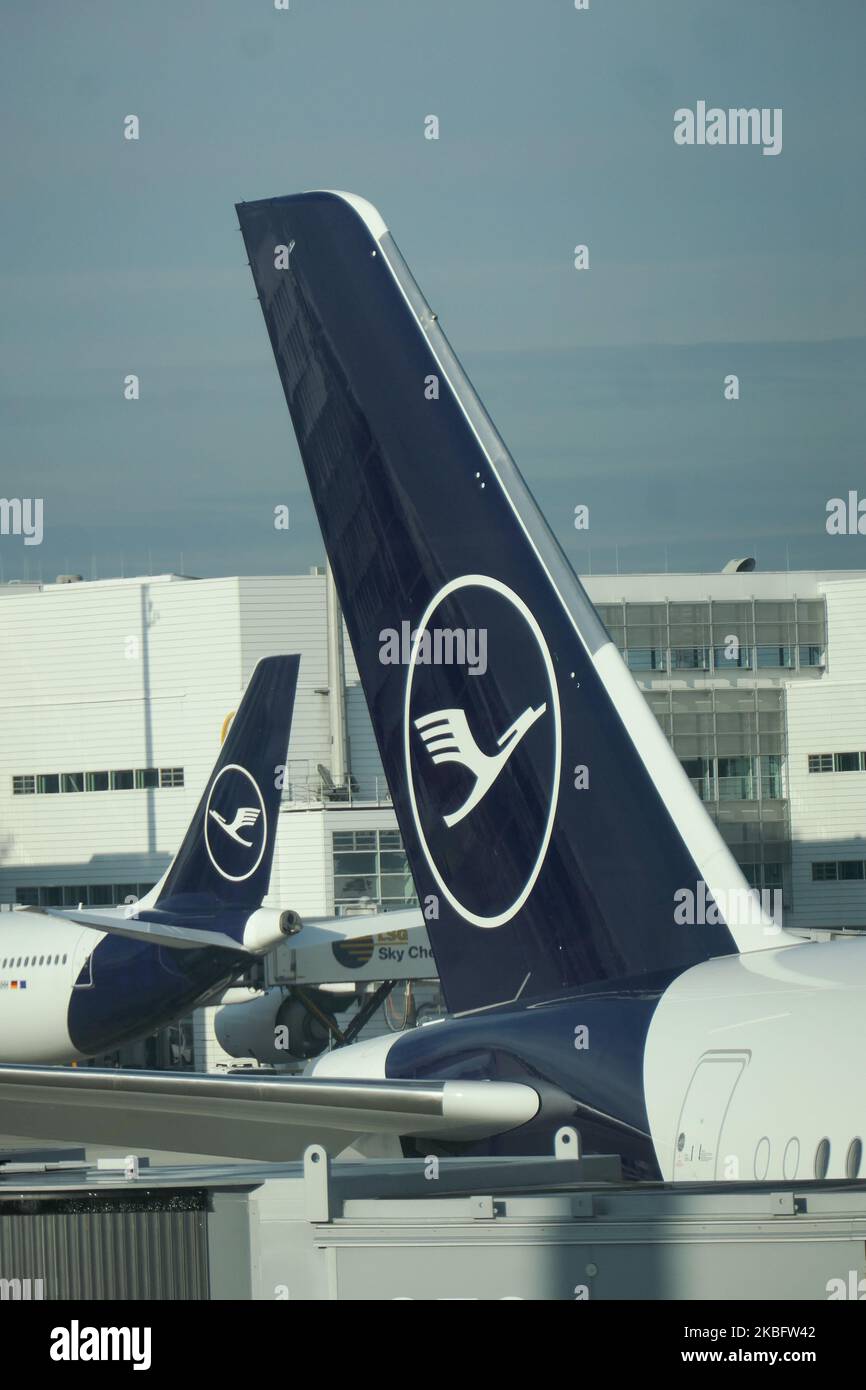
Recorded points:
(272, 1118)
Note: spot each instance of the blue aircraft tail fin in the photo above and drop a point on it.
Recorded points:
(551, 830)
(226, 855)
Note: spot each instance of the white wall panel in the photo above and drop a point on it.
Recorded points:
(828, 810)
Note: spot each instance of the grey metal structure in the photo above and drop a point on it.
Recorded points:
(561, 1228)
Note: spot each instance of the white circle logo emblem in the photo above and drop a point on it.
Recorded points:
(241, 819)
(447, 735)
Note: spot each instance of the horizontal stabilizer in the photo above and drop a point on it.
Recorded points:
(157, 933)
(317, 931)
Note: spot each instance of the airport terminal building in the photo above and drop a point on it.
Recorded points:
(116, 693)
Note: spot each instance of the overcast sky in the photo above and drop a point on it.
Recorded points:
(556, 128)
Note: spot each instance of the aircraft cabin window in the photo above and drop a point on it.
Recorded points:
(822, 1159)
(791, 1159)
(762, 1159)
(854, 1158)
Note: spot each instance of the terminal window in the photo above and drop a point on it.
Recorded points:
(763, 875)
(837, 870)
(846, 762)
(371, 868)
(837, 762)
(90, 894)
(118, 779)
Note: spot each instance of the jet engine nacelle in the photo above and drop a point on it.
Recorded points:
(267, 927)
(275, 1027)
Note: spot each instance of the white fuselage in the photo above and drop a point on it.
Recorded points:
(40, 960)
(754, 1066)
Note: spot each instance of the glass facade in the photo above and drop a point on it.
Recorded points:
(712, 636)
(731, 743)
(371, 869)
(730, 740)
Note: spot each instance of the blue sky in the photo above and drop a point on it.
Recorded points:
(556, 128)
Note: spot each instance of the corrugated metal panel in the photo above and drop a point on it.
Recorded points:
(287, 614)
(105, 676)
(302, 875)
(150, 1247)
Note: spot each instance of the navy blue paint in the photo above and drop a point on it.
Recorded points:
(397, 484)
(137, 987)
(257, 740)
(597, 1088)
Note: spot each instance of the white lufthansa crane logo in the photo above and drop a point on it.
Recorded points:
(449, 739)
(244, 816)
(235, 797)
